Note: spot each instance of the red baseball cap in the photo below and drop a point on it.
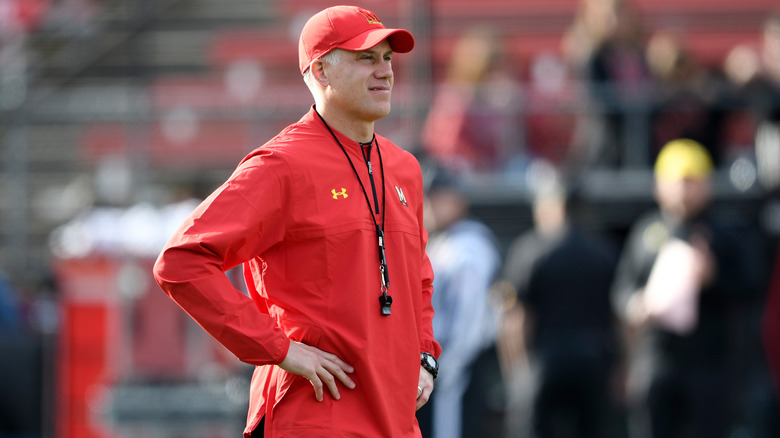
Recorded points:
(348, 28)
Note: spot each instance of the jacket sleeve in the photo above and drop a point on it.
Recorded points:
(427, 342)
(236, 223)
(632, 271)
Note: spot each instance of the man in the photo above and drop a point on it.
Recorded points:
(680, 280)
(465, 261)
(327, 219)
(560, 330)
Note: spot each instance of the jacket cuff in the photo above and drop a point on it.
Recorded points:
(431, 347)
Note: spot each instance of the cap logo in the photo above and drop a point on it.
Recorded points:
(370, 16)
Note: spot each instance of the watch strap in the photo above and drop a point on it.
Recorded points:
(434, 370)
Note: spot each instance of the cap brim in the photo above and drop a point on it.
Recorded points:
(401, 41)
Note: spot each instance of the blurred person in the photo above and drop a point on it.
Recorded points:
(465, 260)
(679, 283)
(761, 74)
(604, 47)
(326, 219)
(548, 90)
(755, 71)
(559, 336)
(21, 365)
(10, 312)
(770, 334)
(688, 99)
(474, 123)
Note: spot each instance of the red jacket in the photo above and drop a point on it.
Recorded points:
(295, 215)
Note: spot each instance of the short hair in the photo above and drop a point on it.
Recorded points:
(333, 58)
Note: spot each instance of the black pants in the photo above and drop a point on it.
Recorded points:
(571, 393)
(483, 407)
(258, 432)
(689, 402)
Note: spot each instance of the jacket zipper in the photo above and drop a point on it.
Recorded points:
(367, 159)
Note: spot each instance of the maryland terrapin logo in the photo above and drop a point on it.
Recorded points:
(370, 16)
(336, 194)
(401, 196)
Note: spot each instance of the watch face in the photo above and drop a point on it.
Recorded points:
(430, 360)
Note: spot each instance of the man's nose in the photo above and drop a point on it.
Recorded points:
(384, 70)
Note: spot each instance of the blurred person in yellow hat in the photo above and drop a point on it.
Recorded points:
(681, 280)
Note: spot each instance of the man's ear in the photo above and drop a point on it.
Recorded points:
(319, 74)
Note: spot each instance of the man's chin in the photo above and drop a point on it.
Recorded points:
(380, 113)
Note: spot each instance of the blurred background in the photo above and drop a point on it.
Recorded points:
(118, 116)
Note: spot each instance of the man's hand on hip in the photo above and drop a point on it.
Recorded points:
(319, 367)
(424, 388)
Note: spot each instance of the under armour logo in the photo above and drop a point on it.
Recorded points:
(336, 194)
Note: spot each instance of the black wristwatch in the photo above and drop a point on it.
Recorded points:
(430, 364)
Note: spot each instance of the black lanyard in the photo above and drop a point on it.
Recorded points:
(385, 300)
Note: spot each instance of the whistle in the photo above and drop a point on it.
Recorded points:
(385, 302)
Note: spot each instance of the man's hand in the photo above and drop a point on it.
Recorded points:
(705, 267)
(318, 367)
(424, 387)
